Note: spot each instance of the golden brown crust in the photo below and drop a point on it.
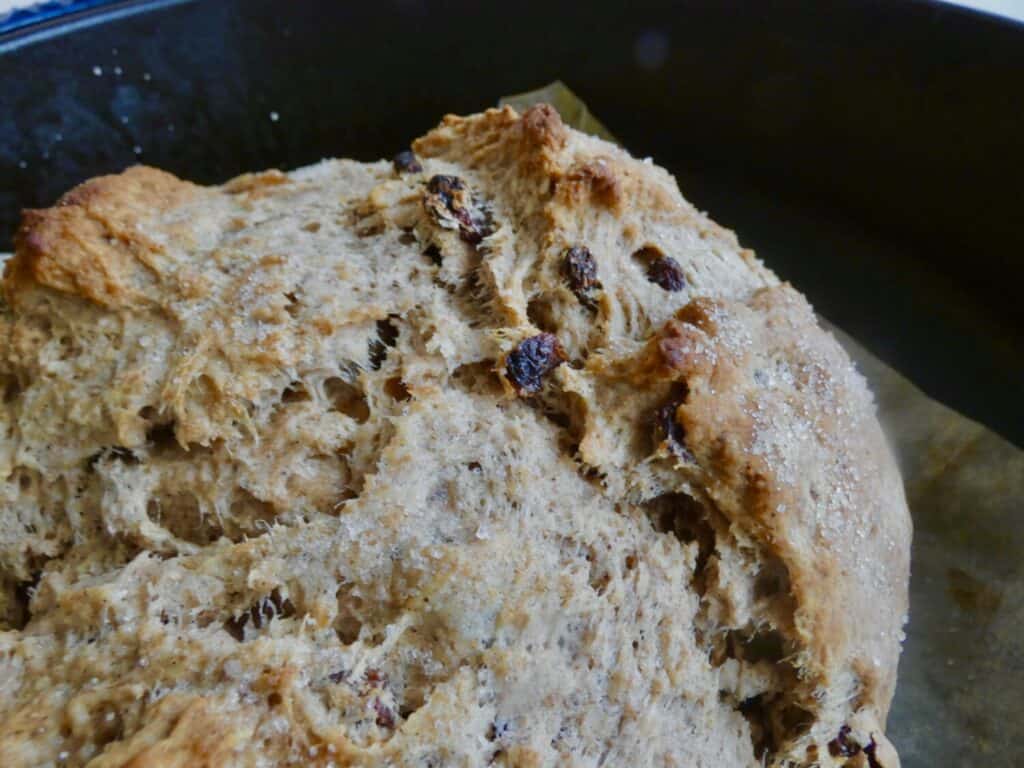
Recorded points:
(542, 126)
(255, 183)
(92, 242)
(784, 433)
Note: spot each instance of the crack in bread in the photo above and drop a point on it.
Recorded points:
(503, 454)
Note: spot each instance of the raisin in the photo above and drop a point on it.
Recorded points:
(665, 272)
(453, 207)
(869, 750)
(337, 677)
(406, 162)
(532, 360)
(842, 745)
(580, 271)
(385, 717)
(375, 678)
(446, 188)
(113, 452)
(474, 224)
(667, 428)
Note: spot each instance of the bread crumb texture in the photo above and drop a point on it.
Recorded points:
(500, 455)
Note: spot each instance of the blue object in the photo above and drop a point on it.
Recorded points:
(47, 11)
(45, 20)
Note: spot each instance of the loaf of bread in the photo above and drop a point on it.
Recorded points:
(496, 454)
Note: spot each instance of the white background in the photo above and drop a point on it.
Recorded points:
(1014, 8)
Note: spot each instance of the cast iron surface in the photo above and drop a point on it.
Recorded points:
(872, 152)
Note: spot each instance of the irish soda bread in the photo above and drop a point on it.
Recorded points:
(499, 453)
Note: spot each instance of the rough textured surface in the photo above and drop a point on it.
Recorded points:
(276, 493)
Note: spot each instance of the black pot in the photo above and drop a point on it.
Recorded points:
(871, 151)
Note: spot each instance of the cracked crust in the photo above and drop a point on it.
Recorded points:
(342, 467)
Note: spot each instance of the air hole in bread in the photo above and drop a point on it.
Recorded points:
(249, 516)
(67, 347)
(479, 378)
(180, 515)
(773, 722)
(24, 479)
(387, 335)
(559, 419)
(311, 226)
(347, 494)
(765, 645)
(236, 628)
(599, 583)
(107, 725)
(160, 437)
(388, 331)
(295, 392)
(558, 409)
(592, 475)
(498, 729)
(793, 722)
(751, 646)
(451, 289)
(370, 229)
(122, 454)
(660, 269)
(542, 314)
(433, 254)
(18, 610)
(647, 254)
(756, 715)
(689, 521)
(247, 624)
(395, 388)
(347, 399)
(407, 238)
(775, 718)
(599, 577)
(567, 411)
(348, 623)
(10, 386)
(347, 629)
(772, 580)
